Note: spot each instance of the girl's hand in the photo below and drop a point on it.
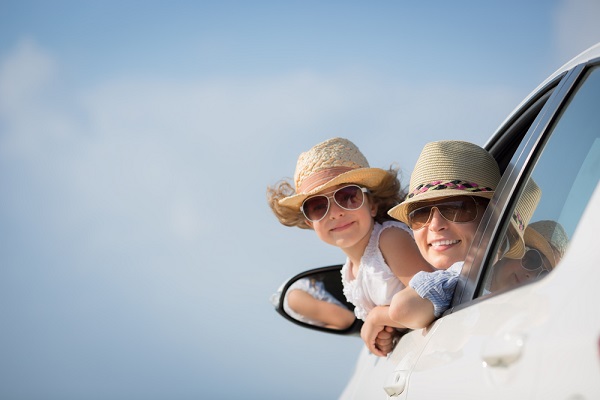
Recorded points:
(377, 336)
(385, 339)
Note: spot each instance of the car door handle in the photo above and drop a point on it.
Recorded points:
(502, 351)
(397, 384)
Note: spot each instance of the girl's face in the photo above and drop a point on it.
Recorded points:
(442, 242)
(346, 229)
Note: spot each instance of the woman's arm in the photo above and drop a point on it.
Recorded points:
(411, 310)
(427, 297)
(376, 328)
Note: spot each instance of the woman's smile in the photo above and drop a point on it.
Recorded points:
(443, 244)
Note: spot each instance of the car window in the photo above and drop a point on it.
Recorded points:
(553, 196)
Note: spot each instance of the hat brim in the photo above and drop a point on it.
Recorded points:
(517, 247)
(368, 177)
(401, 211)
(536, 240)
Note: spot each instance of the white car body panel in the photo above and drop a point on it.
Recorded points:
(500, 331)
(538, 341)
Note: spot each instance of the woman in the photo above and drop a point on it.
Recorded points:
(450, 188)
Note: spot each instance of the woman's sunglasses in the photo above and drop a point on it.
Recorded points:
(349, 198)
(533, 261)
(457, 209)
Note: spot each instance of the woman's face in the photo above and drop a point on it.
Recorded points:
(509, 272)
(443, 242)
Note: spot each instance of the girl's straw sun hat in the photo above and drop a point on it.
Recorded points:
(449, 168)
(328, 164)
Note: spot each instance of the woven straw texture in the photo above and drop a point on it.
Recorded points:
(547, 236)
(449, 160)
(522, 214)
(330, 163)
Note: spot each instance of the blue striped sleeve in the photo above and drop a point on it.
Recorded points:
(437, 287)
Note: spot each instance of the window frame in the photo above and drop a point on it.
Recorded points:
(515, 171)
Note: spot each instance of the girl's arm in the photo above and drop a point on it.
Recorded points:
(402, 254)
(332, 315)
(373, 331)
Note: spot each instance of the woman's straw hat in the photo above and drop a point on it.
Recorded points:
(549, 237)
(331, 163)
(449, 168)
(521, 216)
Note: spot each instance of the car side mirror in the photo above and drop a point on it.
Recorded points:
(315, 299)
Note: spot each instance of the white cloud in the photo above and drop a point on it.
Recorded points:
(32, 105)
(23, 75)
(138, 160)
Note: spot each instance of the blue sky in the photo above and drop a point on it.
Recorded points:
(136, 143)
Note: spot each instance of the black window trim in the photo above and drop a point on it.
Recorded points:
(510, 185)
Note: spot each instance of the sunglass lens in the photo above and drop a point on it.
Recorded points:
(315, 208)
(455, 210)
(349, 197)
(419, 217)
(463, 210)
(532, 260)
(543, 273)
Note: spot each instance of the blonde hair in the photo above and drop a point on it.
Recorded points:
(385, 195)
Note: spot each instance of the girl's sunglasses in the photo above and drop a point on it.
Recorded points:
(532, 261)
(349, 198)
(459, 209)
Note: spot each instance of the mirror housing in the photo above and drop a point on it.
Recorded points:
(326, 282)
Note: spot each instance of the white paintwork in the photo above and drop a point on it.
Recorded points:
(540, 341)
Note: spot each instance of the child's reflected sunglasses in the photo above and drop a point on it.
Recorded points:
(458, 209)
(349, 198)
(533, 261)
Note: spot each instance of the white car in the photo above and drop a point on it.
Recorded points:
(536, 339)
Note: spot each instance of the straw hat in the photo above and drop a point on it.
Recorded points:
(331, 163)
(521, 216)
(549, 237)
(449, 168)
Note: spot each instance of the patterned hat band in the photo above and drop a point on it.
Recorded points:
(518, 221)
(470, 187)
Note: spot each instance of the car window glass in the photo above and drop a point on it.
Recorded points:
(553, 197)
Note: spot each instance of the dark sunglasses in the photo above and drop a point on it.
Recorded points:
(533, 261)
(349, 198)
(457, 209)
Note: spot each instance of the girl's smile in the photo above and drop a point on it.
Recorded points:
(342, 227)
(349, 230)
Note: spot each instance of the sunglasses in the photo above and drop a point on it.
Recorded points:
(349, 198)
(458, 209)
(532, 261)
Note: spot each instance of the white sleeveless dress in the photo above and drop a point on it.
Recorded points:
(375, 283)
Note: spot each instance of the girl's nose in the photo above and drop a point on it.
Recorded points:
(335, 210)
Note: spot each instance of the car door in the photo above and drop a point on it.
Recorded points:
(499, 342)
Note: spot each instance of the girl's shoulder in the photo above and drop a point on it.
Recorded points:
(396, 237)
(400, 227)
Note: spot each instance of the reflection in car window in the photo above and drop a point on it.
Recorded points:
(566, 175)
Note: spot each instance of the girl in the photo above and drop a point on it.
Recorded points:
(346, 202)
